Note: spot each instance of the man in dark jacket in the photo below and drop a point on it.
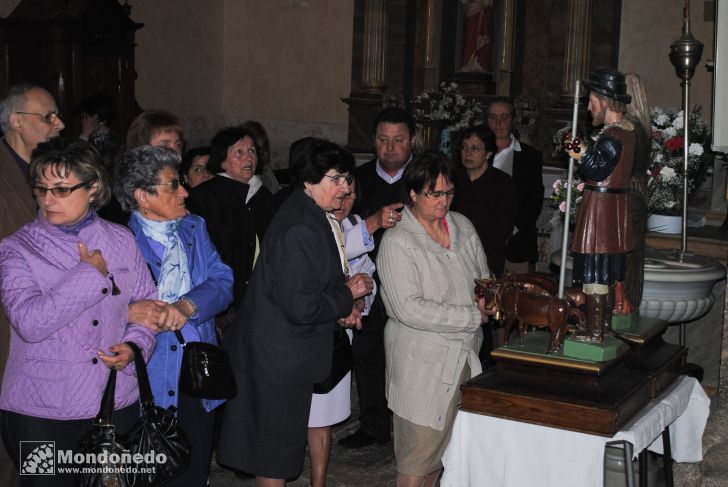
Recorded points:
(524, 164)
(379, 202)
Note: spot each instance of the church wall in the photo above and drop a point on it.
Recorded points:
(648, 28)
(179, 57)
(285, 63)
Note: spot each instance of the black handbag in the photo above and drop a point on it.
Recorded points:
(206, 371)
(153, 452)
(341, 362)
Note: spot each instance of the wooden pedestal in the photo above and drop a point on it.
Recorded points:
(598, 399)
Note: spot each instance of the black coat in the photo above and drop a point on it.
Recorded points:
(528, 180)
(231, 225)
(283, 333)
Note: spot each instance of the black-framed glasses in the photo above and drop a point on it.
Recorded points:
(436, 195)
(174, 184)
(48, 117)
(58, 192)
(471, 148)
(340, 178)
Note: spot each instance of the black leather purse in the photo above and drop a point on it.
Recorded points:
(157, 436)
(206, 371)
(341, 362)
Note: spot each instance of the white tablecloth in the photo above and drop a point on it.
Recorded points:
(489, 451)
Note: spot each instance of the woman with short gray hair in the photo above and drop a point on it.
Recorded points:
(193, 286)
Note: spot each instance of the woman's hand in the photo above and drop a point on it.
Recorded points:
(147, 312)
(120, 356)
(94, 258)
(485, 313)
(89, 123)
(360, 285)
(173, 317)
(352, 321)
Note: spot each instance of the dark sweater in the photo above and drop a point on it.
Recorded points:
(490, 203)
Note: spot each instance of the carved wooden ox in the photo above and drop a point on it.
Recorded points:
(526, 308)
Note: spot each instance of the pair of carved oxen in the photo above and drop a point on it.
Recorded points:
(531, 299)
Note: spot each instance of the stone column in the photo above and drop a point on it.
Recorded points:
(373, 75)
(577, 46)
(431, 71)
(507, 45)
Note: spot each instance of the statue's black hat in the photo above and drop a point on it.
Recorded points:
(609, 82)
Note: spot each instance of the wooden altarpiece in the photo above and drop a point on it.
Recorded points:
(73, 48)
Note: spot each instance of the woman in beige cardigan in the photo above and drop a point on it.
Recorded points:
(427, 264)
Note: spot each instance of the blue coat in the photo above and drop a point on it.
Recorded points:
(212, 282)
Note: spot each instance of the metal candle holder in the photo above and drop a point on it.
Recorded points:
(685, 55)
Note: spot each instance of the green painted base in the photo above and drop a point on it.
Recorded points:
(625, 322)
(609, 349)
(643, 330)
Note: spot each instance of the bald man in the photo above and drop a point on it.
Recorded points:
(28, 116)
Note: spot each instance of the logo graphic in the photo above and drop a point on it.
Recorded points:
(39, 457)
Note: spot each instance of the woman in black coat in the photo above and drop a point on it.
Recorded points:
(281, 342)
(235, 205)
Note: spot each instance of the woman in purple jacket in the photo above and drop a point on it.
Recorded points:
(66, 281)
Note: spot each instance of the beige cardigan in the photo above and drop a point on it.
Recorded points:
(434, 324)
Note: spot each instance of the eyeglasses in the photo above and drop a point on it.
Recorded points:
(436, 195)
(339, 179)
(58, 192)
(471, 148)
(503, 117)
(174, 184)
(48, 118)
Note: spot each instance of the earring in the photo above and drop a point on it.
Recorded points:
(145, 211)
(91, 200)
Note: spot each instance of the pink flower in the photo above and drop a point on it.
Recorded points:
(562, 207)
(580, 187)
(557, 184)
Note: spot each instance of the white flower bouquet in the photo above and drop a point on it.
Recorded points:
(446, 107)
(665, 170)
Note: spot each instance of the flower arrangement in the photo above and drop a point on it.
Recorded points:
(665, 171)
(393, 99)
(526, 113)
(446, 107)
(558, 198)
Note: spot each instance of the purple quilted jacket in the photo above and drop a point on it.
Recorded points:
(62, 312)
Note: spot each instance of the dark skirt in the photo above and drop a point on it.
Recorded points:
(598, 268)
(264, 428)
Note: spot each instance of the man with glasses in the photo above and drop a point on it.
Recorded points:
(524, 164)
(28, 116)
(379, 203)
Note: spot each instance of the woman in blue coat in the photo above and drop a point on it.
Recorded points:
(194, 285)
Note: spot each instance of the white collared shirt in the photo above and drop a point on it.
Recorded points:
(504, 159)
(391, 179)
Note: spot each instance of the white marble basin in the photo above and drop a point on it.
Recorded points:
(677, 286)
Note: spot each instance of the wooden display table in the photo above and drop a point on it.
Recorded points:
(594, 398)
